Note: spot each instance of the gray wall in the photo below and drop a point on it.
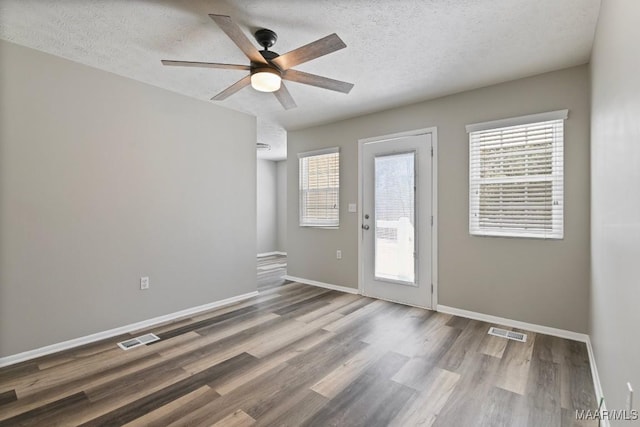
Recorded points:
(615, 208)
(282, 205)
(267, 208)
(538, 281)
(104, 180)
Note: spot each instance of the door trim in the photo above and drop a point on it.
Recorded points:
(434, 204)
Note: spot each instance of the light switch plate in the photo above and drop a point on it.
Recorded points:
(353, 207)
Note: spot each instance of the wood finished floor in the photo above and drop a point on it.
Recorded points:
(300, 355)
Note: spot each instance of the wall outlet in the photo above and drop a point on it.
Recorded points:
(353, 207)
(144, 283)
(629, 398)
(338, 254)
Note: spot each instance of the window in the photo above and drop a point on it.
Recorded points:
(320, 188)
(516, 176)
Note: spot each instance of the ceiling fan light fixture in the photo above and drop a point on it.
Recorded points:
(267, 68)
(265, 79)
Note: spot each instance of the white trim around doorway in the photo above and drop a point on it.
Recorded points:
(434, 203)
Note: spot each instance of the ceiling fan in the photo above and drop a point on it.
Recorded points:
(267, 69)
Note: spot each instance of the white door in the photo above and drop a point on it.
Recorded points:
(396, 219)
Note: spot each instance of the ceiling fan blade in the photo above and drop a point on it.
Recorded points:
(204, 65)
(237, 36)
(245, 81)
(318, 81)
(313, 50)
(284, 97)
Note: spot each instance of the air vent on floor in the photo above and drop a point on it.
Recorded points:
(138, 341)
(516, 336)
(129, 344)
(147, 338)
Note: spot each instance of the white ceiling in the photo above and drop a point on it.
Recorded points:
(398, 51)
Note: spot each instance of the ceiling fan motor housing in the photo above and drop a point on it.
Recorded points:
(268, 55)
(260, 68)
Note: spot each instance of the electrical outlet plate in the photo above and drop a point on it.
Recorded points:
(338, 254)
(144, 283)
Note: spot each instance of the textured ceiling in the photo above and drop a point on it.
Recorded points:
(398, 51)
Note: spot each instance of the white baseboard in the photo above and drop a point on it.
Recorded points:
(576, 336)
(264, 254)
(597, 386)
(65, 345)
(322, 285)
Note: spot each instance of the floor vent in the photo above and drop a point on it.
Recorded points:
(138, 341)
(516, 336)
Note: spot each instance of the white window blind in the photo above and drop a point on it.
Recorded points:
(516, 177)
(320, 188)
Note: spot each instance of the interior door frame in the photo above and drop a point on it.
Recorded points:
(433, 131)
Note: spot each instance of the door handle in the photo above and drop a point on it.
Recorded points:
(365, 227)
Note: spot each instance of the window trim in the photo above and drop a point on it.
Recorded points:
(557, 230)
(303, 155)
(517, 121)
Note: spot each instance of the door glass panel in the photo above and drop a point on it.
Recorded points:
(394, 200)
